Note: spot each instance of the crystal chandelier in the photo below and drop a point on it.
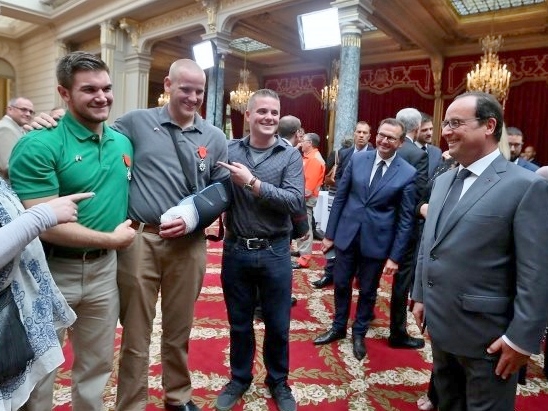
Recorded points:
(240, 97)
(330, 92)
(489, 76)
(163, 99)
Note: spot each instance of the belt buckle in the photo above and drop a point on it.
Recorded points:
(249, 242)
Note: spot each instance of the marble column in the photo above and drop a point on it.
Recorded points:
(211, 106)
(219, 106)
(216, 78)
(61, 49)
(137, 79)
(346, 115)
(112, 53)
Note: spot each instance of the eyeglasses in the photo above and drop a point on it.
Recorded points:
(24, 110)
(457, 122)
(391, 139)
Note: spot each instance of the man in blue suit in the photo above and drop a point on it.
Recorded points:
(515, 141)
(424, 142)
(370, 224)
(362, 133)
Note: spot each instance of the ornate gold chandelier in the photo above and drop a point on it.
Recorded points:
(163, 99)
(331, 91)
(489, 76)
(240, 97)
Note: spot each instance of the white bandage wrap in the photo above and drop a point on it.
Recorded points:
(187, 212)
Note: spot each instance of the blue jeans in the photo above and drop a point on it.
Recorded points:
(244, 272)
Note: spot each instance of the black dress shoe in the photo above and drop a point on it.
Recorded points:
(329, 336)
(317, 235)
(295, 254)
(358, 347)
(406, 342)
(189, 406)
(293, 301)
(323, 282)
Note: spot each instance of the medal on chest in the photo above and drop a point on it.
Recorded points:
(202, 153)
(127, 163)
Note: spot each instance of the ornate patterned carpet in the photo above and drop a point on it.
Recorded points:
(322, 378)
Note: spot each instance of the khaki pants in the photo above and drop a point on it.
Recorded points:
(304, 244)
(177, 267)
(90, 289)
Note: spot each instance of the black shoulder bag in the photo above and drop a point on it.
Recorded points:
(16, 350)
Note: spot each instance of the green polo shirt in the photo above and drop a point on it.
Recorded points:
(71, 159)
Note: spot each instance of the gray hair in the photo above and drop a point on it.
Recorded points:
(410, 118)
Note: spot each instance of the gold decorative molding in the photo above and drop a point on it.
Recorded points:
(351, 40)
(133, 28)
(296, 86)
(383, 80)
(171, 19)
(211, 7)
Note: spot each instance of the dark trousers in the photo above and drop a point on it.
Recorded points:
(329, 265)
(470, 384)
(401, 284)
(243, 273)
(368, 271)
(546, 354)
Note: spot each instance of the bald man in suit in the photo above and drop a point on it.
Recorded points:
(481, 284)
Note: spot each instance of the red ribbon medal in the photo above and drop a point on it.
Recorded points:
(127, 163)
(202, 153)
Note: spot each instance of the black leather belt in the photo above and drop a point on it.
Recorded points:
(257, 243)
(77, 254)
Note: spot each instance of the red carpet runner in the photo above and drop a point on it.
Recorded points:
(322, 378)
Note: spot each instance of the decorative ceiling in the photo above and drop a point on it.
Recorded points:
(396, 30)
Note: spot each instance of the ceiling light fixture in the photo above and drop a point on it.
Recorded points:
(489, 75)
(240, 97)
(319, 29)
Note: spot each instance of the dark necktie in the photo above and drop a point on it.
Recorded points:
(452, 198)
(377, 177)
(424, 149)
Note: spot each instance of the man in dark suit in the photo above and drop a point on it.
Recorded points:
(424, 142)
(481, 283)
(370, 224)
(515, 141)
(401, 283)
(362, 134)
(529, 154)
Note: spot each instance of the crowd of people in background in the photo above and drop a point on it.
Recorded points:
(461, 233)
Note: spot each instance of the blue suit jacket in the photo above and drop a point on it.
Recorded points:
(527, 164)
(383, 218)
(434, 159)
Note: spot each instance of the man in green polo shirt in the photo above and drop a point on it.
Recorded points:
(81, 155)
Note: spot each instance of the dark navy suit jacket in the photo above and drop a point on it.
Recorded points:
(383, 218)
(527, 164)
(344, 158)
(434, 159)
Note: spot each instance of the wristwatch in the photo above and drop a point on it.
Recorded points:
(249, 186)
